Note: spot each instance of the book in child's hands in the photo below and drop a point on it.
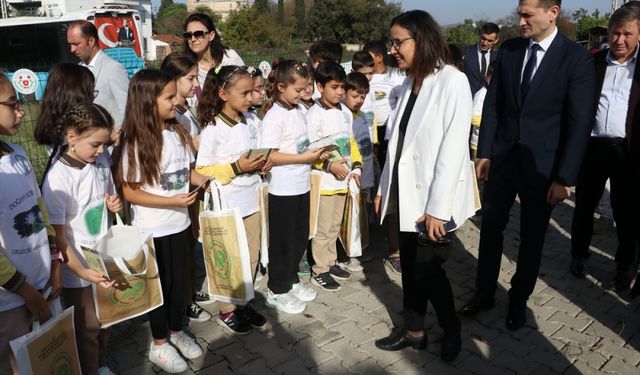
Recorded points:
(260, 151)
(94, 259)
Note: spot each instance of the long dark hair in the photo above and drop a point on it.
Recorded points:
(217, 48)
(68, 84)
(86, 116)
(431, 51)
(210, 104)
(142, 129)
(178, 64)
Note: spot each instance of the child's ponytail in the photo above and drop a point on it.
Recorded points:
(209, 103)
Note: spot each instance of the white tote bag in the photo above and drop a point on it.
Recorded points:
(129, 257)
(350, 233)
(225, 250)
(263, 199)
(49, 348)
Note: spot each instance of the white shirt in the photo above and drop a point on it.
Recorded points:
(487, 59)
(175, 171)
(74, 195)
(91, 63)
(229, 57)
(286, 129)
(613, 104)
(544, 47)
(336, 124)
(188, 120)
(362, 133)
(386, 88)
(23, 237)
(369, 110)
(478, 104)
(223, 143)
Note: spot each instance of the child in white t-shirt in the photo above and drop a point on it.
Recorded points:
(155, 169)
(258, 94)
(230, 132)
(306, 100)
(331, 120)
(362, 62)
(79, 193)
(184, 69)
(284, 128)
(29, 259)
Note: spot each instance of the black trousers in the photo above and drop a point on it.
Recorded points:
(288, 237)
(605, 158)
(171, 255)
(506, 180)
(423, 281)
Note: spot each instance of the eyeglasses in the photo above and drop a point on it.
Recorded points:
(197, 34)
(396, 43)
(15, 105)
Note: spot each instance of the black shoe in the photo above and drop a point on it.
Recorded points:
(234, 323)
(399, 339)
(202, 298)
(479, 302)
(451, 341)
(339, 273)
(635, 291)
(577, 267)
(252, 317)
(622, 281)
(196, 313)
(325, 281)
(517, 315)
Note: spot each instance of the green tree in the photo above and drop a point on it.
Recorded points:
(171, 19)
(300, 17)
(354, 21)
(585, 22)
(463, 34)
(280, 17)
(246, 28)
(261, 6)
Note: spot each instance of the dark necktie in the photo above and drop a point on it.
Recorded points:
(528, 69)
(483, 63)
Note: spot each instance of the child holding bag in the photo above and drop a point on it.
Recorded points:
(232, 131)
(76, 189)
(154, 168)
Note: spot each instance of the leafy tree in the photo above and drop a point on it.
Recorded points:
(280, 17)
(247, 28)
(354, 21)
(300, 17)
(171, 19)
(463, 34)
(261, 6)
(585, 22)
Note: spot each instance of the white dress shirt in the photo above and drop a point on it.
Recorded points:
(544, 47)
(487, 58)
(613, 104)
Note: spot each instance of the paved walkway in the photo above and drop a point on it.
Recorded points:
(574, 326)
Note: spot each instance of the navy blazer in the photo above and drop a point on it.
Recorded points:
(552, 124)
(472, 67)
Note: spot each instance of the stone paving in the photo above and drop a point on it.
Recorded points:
(574, 326)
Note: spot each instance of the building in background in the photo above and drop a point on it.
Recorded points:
(221, 7)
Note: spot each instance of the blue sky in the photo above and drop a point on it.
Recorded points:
(453, 11)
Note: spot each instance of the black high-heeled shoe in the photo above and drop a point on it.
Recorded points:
(451, 341)
(399, 339)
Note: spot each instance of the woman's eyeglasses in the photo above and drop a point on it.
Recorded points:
(396, 43)
(197, 34)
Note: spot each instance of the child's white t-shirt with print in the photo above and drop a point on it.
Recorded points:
(23, 236)
(187, 118)
(74, 194)
(286, 129)
(223, 143)
(175, 172)
(365, 146)
(369, 110)
(386, 90)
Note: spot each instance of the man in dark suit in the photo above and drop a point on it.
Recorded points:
(125, 34)
(478, 57)
(608, 153)
(533, 136)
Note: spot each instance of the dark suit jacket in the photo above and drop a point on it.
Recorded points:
(472, 67)
(552, 124)
(125, 35)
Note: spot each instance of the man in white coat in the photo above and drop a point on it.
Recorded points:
(112, 81)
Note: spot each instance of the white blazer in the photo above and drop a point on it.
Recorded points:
(435, 173)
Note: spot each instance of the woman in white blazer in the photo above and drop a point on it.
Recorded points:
(428, 176)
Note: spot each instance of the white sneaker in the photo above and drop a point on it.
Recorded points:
(353, 265)
(187, 346)
(303, 292)
(105, 371)
(285, 302)
(167, 358)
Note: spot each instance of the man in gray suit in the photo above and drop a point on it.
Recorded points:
(112, 81)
